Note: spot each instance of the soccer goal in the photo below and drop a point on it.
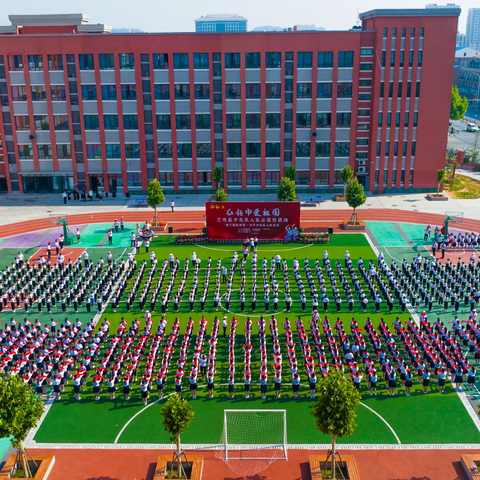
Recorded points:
(253, 439)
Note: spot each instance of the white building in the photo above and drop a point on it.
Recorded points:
(473, 28)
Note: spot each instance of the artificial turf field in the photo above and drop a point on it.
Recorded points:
(431, 418)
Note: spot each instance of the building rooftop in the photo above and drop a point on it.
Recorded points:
(411, 12)
(221, 18)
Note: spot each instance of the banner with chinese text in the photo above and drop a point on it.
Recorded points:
(240, 220)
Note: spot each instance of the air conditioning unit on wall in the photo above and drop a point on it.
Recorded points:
(362, 170)
(362, 162)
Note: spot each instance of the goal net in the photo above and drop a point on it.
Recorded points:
(253, 439)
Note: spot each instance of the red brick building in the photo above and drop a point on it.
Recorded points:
(84, 106)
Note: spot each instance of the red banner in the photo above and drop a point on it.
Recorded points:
(264, 220)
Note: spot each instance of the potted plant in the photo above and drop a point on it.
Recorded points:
(346, 174)
(355, 197)
(441, 176)
(220, 195)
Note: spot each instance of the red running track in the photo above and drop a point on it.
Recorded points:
(194, 221)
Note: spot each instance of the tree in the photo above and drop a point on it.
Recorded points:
(220, 195)
(20, 411)
(346, 174)
(286, 190)
(290, 173)
(458, 106)
(155, 197)
(441, 175)
(334, 412)
(355, 197)
(177, 415)
(217, 175)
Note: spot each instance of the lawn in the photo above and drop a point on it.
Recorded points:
(462, 187)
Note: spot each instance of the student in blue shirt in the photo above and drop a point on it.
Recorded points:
(426, 380)
(263, 385)
(441, 379)
(295, 385)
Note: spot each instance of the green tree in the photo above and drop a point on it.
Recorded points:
(155, 197)
(334, 412)
(355, 197)
(441, 176)
(458, 106)
(20, 411)
(286, 190)
(290, 173)
(220, 195)
(217, 175)
(346, 174)
(177, 414)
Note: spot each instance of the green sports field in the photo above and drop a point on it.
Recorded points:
(421, 418)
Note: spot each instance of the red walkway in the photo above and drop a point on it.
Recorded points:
(129, 464)
(193, 221)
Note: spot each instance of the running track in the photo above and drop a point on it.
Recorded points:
(193, 221)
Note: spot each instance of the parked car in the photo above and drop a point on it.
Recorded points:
(472, 127)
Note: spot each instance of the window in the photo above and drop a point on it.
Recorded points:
(89, 92)
(60, 122)
(202, 91)
(162, 91)
(395, 148)
(366, 52)
(362, 142)
(407, 115)
(233, 120)
(387, 148)
(324, 120)
(412, 32)
(110, 122)
(202, 121)
(160, 61)
(64, 151)
(253, 120)
(385, 30)
(127, 61)
(234, 150)
(204, 150)
(91, 122)
(345, 59)
(35, 62)
(253, 178)
(132, 150)
(204, 178)
(107, 61)
(274, 90)
(420, 58)
(109, 92)
(184, 150)
(165, 150)
(344, 120)
(234, 178)
(404, 149)
(415, 119)
(362, 154)
(409, 89)
(324, 90)
(325, 59)
(182, 91)
(303, 177)
(417, 89)
(254, 150)
(389, 119)
(394, 32)
(39, 94)
(304, 60)
(410, 58)
(273, 60)
(25, 152)
(180, 61)
(322, 149)
(55, 62)
(404, 32)
(399, 89)
(232, 90)
(58, 93)
(232, 60)
(384, 57)
(365, 67)
(85, 61)
(272, 149)
(392, 58)
(129, 92)
(304, 90)
(22, 122)
(130, 122)
(45, 151)
(272, 178)
(113, 150)
(164, 122)
(380, 119)
(303, 149)
(200, 61)
(304, 120)
(134, 179)
(342, 149)
(321, 178)
(364, 113)
(183, 122)
(272, 120)
(252, 60)
(94, 151)
(344, 90)
(422, 32)
(253, 90)
(15, 62)
(402, 58)
(379, 146)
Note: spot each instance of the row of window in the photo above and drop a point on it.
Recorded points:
(132, 150)
(397, 119)
(25, 152)
(404, 32)
(22, 122)
(400, 89)
(401, 59)
(395, 148)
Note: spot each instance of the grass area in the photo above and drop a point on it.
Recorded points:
(432, 418)
(462, 187)
(7, 255)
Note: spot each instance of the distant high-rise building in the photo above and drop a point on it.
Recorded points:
(303, 28)
(473, 28)
(461, 40)
(448, 5)
(127, 30)
(221, 24)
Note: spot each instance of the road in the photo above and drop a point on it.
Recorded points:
(464, 139)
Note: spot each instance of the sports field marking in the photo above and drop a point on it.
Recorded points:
(31, 256)
(121, 255)
(239, 247)
(47, 406)
(384, 421)
(370, 242)
(468, 406)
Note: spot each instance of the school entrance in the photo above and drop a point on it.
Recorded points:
(38, 183)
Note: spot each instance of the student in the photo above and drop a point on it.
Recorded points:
(441, 380)
(110, 237)
(111, 386)
(312, 381)
(231, 386)
(77, 382)
(373, 381)
(78, 235)
(210, 384)
(144, 389)
(295, 385)
(408, 381)
(56, 381)
(203, 365)
(247, 379)
(96, 386)
(172, 205)
(193, 384)
(126, 387)
(392, 382)
(426, 380)
(278, 384)
(160, 384)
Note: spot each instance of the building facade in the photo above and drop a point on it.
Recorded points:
(473, 28)
(115, 111)
(221, 24)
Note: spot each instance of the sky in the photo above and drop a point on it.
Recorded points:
(179, 16)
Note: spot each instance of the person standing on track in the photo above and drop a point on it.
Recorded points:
(172, 205)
